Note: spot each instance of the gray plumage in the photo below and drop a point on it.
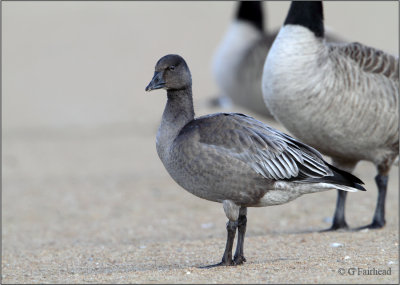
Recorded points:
(239, 59)
(238, 63)
(339, 98)
(232, 158)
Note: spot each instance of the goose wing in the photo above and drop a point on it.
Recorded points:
(369, 59)
(270, 153)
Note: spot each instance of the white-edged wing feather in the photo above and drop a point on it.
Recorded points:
(271, 153)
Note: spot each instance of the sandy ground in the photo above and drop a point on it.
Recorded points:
(85, 198)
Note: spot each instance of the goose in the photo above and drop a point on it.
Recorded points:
(234, 159)
(238, 61)
(341, 99)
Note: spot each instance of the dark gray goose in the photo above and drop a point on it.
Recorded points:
(234, 159)
(239, 59)
(339, 98)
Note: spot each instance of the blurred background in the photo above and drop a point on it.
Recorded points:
(79, 163)
(85, 64)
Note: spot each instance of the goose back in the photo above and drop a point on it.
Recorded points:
(346, 93)
(235, 157)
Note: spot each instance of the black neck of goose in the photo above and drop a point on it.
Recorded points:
(308, 14)
(251, 11)
(179, 108)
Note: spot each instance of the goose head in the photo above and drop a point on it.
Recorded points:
(170, 73)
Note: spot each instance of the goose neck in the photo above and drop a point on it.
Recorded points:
(179, 109)
(177, 113)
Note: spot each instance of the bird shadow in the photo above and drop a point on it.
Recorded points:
(311, 230)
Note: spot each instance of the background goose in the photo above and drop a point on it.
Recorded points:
(239, 59)
(234, 159)
(340, 98)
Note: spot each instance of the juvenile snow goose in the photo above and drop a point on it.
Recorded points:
(339, 98)
(239, 59)
(234, 159)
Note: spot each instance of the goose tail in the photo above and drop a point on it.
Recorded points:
(345, 180)
(341, 180)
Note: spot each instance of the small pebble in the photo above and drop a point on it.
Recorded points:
(347, 257)
(187, 272)
(336, 244)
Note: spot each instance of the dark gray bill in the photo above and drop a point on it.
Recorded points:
(157, 82)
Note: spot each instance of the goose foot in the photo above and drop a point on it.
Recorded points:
(339, 221)
(238, 260)
(222, 263)
(373, 226)
(336, 227)
(231, 227)
(378, 221)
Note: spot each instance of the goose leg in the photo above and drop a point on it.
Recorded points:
(231, 231)
(242, 221)
(227, 257)
(379, 216)
(232, 212)
(339, 221)
(381, 181)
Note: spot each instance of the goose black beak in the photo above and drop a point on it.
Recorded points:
(157, 82)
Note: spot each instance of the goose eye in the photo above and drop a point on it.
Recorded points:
(172, 67)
